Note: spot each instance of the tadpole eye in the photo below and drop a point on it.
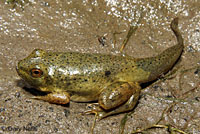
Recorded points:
(36, 72)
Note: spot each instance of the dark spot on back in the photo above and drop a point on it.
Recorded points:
(68, 83)
(107, 73)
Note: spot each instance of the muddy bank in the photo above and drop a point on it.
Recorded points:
(78, 26)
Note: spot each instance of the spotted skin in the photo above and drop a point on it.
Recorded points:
(111, 80)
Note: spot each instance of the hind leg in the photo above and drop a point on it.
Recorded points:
(116, 99)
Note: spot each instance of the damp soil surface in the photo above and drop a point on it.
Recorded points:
(100, 26)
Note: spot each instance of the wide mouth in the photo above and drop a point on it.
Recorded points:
(17, 68)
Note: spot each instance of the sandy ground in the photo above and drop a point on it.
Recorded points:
(77, 26)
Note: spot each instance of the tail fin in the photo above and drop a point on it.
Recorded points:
(164, 61)
(174, 27)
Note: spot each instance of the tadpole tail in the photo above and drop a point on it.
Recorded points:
(174, 27)
(164, 61)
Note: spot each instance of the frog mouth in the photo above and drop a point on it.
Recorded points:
(18, 72)
(17, 67)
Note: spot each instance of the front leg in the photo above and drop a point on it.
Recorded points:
(55, 97)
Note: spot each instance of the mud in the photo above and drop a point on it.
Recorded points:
(99, 27)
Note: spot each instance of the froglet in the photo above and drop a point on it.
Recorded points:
(113, 81)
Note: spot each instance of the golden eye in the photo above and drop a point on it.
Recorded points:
(36, 72)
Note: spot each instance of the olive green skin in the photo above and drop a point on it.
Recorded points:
(82, 75)
(85, 76)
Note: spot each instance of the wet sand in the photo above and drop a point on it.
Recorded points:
(78, 26)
